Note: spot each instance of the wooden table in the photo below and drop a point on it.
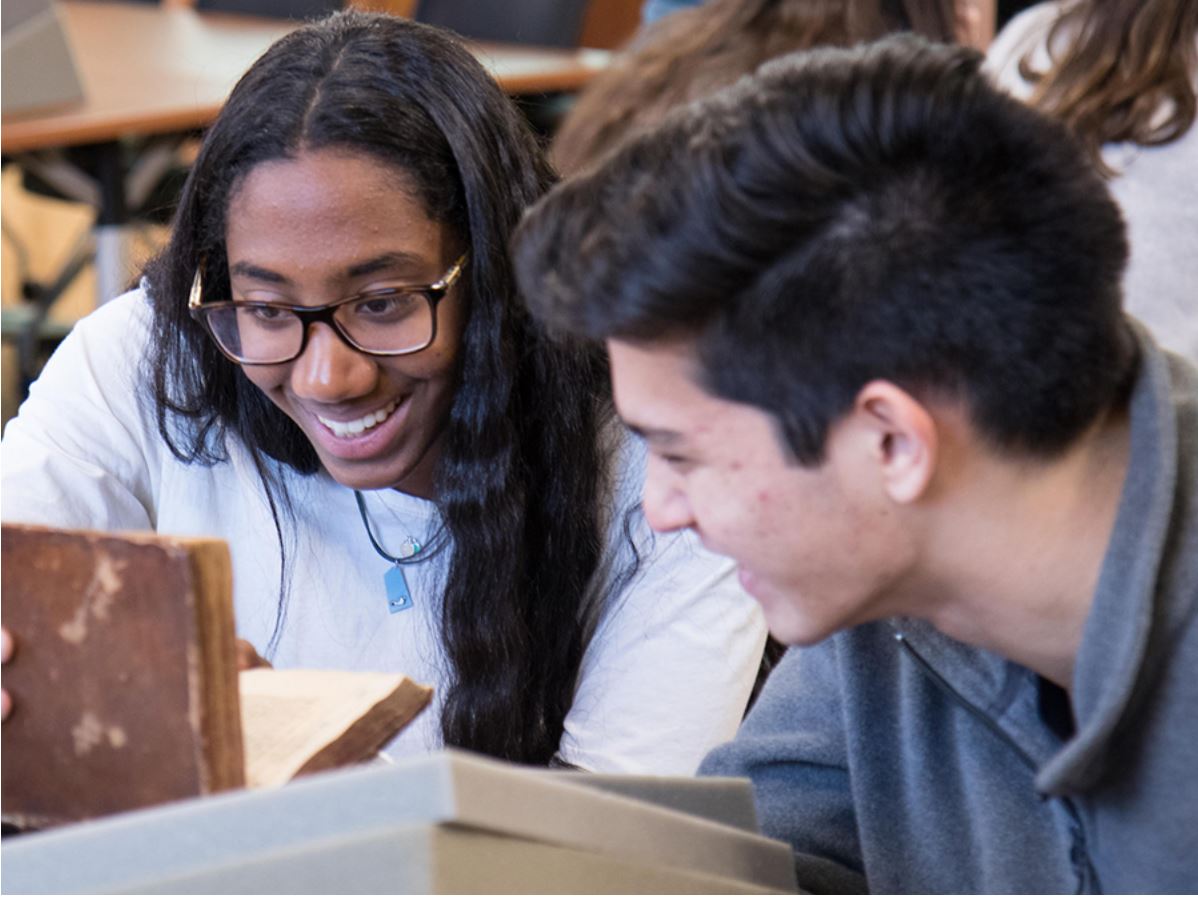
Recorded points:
(152, 72)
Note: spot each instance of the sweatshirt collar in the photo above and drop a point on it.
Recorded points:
(1116, 634)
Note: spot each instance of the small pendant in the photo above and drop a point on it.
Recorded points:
(399, 596)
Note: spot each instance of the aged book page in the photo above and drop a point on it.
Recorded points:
(301, 721)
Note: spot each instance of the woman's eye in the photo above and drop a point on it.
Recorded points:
(386, 305)
(265, 313)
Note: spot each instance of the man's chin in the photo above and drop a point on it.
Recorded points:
(798, 637)
(789, 625)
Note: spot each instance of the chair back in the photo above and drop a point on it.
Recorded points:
(275, 9)
(549, 23)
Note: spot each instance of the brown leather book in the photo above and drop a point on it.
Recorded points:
(125, 686)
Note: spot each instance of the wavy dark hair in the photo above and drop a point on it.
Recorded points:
(848, 215)
(1121, 70)
(694, 52)
(522, 476)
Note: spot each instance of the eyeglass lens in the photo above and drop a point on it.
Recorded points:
(385, 322)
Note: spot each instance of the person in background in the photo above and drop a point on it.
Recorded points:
(699, 50)
(864, 309)
(329, 367)
(652, 10)
(1123, 75)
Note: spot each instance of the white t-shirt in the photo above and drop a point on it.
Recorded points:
(665, 677)
(1156, 188)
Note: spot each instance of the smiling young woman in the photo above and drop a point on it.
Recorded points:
(326, 224)
(330, 367)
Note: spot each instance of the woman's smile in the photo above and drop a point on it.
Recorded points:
(351, 428)
(353, 439)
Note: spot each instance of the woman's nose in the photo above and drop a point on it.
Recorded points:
(330, 370)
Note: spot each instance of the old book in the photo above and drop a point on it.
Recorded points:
(125, 685)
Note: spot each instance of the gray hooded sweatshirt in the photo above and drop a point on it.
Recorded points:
(896, 759)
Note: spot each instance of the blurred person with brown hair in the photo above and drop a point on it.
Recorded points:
(694, 52)
(1123, 75)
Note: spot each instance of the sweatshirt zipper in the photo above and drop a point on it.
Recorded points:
(1087, 877)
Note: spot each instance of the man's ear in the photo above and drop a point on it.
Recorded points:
(904, 438)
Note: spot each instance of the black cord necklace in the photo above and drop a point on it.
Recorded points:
(399, 596)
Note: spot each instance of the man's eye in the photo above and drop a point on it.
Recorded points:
(676, 462)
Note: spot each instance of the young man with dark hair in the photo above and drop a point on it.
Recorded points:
(865, 310)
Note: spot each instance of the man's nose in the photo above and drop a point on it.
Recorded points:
(664, 498)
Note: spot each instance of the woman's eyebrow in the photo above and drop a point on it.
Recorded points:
(396, 260)
(246, 269)
(388, 260)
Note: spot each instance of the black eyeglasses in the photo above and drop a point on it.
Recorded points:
(389, 321)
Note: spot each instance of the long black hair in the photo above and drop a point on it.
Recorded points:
(521, 478)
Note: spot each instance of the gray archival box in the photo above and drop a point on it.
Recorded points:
(446, 823)
(37, 67)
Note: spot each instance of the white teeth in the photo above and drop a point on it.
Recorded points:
(341, 429)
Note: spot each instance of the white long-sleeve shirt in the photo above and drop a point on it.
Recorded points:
(665, 677)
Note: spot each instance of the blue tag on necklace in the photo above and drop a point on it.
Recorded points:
(399, 596)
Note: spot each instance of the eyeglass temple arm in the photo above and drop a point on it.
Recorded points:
(197, 290)
(451, 275)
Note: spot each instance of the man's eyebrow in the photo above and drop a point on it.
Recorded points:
(654, 434)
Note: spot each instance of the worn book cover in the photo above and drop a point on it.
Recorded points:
(125, 685)
(124, 682)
